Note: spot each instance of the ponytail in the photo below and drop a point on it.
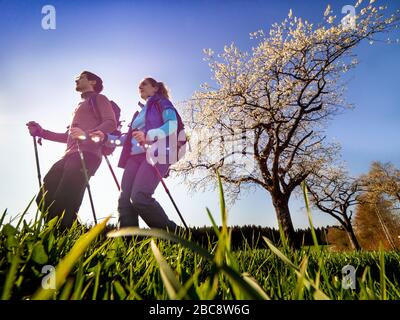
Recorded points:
(162, 89)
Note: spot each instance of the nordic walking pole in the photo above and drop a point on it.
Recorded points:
(96, 140)
(87, 181)
(145, 146)
(37, 162)
(112, 172)
(169, 194)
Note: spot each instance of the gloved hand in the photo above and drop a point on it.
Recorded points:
(35, 130)
(140, 136)
(97, 136)
(77, 133)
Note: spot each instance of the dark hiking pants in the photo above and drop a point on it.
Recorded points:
(65, 185)
(139, 182)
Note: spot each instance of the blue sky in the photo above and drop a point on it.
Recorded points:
(124, 41)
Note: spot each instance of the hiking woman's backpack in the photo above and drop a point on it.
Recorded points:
(181, 131)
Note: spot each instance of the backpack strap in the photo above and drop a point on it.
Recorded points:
(133, 118)
(161, 110)
(93, 105)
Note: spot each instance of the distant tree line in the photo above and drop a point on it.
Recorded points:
(252, 236)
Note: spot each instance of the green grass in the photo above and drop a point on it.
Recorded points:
(154, 264)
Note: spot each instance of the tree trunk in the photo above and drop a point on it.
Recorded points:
(281, 206)
(352, 237)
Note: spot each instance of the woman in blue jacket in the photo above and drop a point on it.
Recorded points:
(147, 139)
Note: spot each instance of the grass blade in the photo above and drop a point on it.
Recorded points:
(171, 284)
(10, 279)
(305, 194)
(280, 254)
(248, 290)
(161, 234)
(2, 217)
(382, 273)
(65, 266)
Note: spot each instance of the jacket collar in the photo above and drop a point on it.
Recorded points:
(153, 98)
(87, 94)
(150, 100)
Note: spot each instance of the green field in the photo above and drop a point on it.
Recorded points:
(154, 264)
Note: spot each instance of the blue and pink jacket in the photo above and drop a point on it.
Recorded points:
(157, 114)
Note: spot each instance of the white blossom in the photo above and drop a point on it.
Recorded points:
(279, 96)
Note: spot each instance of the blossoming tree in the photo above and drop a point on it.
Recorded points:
(262, 121)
